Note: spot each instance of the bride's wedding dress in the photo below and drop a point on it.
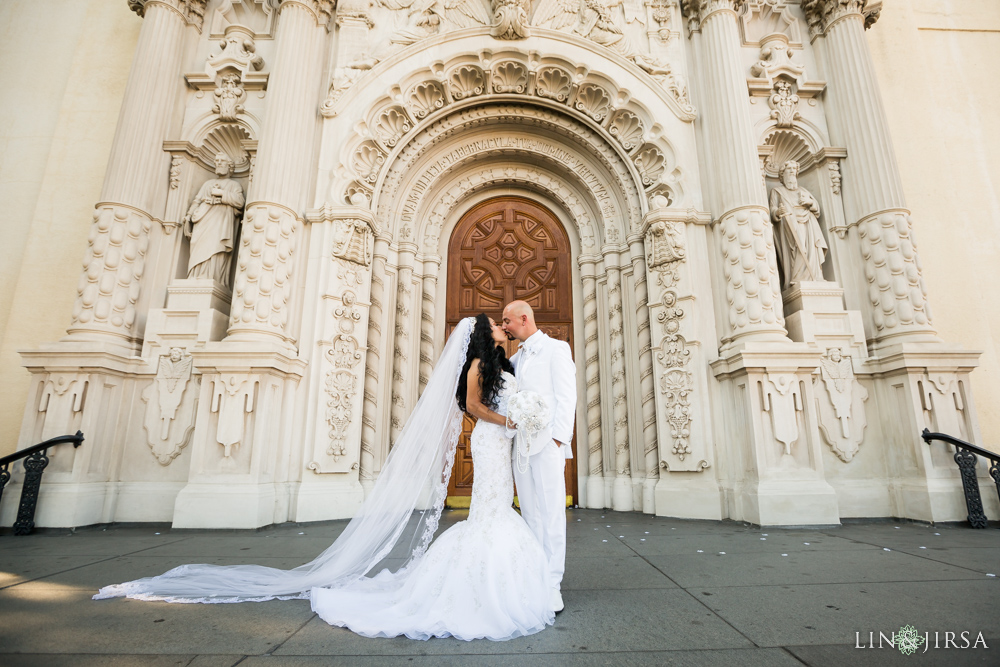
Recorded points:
(485, 577)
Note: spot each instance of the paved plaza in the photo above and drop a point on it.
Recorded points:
(639, 590)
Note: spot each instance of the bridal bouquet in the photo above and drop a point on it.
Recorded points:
(528, 410)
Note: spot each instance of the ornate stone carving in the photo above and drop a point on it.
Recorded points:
(801, 246)
(239, 52)
(627, 128)
(665, 243)
(895, 283)
(341, 388)
(833, 166)
(821, 14)
(510, 19)
(662, 13)
(782, 399)
(368, 161)
(112, 269)
(751, 272)
(510, 77)
(841, 405)
(210, 223)
(176, 162)
(784, 105)
(593, 101)
(466, 81)
(425, 97)
(353, 241)
(761, 18)
(554, 83)
(650, 163)
(234, 396)
(265, 268)
(675, 381)
(776, 60)
(623, 464)
(229, 97)
(595, 462)
(193, 11)
(170, 408)
(697, 11)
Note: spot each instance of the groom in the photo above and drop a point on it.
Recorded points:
(545, 366)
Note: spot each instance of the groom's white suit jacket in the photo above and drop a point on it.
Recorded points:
(545, 365)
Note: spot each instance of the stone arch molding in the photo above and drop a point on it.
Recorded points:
(616, 125)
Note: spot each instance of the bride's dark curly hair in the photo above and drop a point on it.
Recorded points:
(493, 361)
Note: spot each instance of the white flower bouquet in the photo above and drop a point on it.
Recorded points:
(528, 410)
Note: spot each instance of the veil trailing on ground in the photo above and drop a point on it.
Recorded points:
(421, 458)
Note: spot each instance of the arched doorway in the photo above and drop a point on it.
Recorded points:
(504, 249)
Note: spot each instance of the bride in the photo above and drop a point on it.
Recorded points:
(485, 577)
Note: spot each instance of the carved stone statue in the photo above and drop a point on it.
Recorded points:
(229, 96)
(841, 401)
(210, 223)
(800, 243)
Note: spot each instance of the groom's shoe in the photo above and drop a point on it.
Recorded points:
(556, 600)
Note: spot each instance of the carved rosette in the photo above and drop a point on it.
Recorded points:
(112, 270)
(821, 14)
(193, 11)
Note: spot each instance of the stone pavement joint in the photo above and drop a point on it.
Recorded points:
(639, 590)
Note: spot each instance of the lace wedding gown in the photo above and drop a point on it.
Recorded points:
(485, 577)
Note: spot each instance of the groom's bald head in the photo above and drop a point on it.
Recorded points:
(519, 320)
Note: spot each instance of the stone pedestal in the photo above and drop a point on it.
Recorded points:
(814, 313)
(196, 313)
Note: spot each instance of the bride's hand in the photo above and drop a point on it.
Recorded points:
(510, 424)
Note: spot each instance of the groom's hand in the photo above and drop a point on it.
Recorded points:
(558, 444)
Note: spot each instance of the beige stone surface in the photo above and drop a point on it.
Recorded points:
(65, 67)
(937, 65)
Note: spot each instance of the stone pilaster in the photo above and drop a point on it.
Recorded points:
(739, 201)
(282, 176)
(402, 342)
(373, 365)
(592, 370)
(428, 295)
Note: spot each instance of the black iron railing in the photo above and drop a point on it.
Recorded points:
(35, 460)
(965, 457)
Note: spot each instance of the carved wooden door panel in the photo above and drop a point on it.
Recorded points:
(505, 249)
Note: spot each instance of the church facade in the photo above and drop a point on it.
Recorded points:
(303, 197)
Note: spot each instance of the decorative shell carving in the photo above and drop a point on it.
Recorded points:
(466, 81)
(391, 125)
(627, 128)
(553, 83)
(228, 139)
(650, 163)
(368, 161)
(593, 101)
(510, 77)
(788, 145)
(425, 97)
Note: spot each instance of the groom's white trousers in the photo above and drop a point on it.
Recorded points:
(541, 492)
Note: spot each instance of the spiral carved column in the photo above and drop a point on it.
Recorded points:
(646, 381)
(401, 342)
(595, 451)
(373, 363)
(428, 293)
(622, 491)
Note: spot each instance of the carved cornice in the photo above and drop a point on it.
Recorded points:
(697, 11)
(192, 11)
(322, 10)
(821, 14)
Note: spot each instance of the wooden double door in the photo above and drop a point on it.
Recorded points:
(505, 249)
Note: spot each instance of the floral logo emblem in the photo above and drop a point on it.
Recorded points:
(908, 640)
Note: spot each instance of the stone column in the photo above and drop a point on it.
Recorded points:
(373, 365)
(595, 452)
(873, 191)
(759, 368)
(739, 201)
(427, 296)
(621, 497)
(649, 448)
(402, 348)
(105, 308)
(919, 380)
(283, 174)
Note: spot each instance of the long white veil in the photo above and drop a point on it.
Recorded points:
(422, 457)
